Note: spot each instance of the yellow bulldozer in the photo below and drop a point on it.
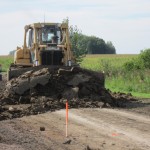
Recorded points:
(44, 44)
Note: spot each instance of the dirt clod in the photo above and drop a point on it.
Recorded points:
(67, 141)
(0, 138)
(42, 128)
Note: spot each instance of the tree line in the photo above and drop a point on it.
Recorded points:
(83, 44)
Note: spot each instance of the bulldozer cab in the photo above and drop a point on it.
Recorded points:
(48, 34)
(45, 44)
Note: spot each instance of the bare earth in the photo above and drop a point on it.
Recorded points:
(91, 128)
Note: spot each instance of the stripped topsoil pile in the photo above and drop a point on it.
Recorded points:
(47, 89)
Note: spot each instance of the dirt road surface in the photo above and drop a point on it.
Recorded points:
(89, 129)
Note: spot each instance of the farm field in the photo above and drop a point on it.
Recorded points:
(117, 80)
(98, 62)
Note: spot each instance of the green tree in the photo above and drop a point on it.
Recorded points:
(78, 43)
(110, 49)
(95, 45)
(83, 44)
(141, 62)
(145, 58)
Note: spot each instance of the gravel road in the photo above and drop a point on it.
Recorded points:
(95, 129)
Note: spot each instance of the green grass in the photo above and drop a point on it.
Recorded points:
(141, 95)
(5, 61)
(128, 87)
(135, 94)
(117, 79)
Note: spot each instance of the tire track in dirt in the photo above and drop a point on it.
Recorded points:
(103, 129)
(128, 126)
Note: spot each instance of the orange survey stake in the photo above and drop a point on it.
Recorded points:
(66, 118)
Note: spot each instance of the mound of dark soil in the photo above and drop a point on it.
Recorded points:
(46, 89)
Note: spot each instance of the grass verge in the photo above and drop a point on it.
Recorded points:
(117, 78)
(5, 61)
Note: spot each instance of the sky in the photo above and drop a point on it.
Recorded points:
(126, 23)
